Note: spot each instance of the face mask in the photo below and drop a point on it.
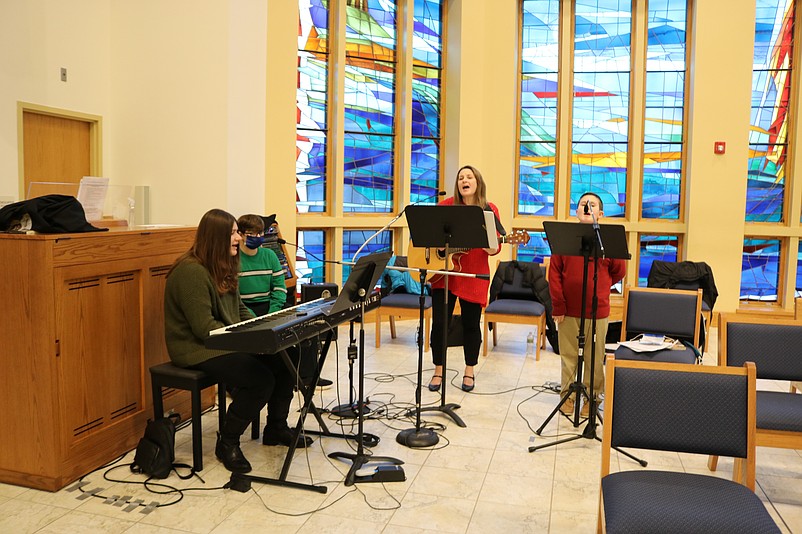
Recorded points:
(254, 241)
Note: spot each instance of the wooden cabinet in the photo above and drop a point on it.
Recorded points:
(82, 322)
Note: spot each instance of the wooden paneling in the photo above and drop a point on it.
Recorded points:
(84, 321)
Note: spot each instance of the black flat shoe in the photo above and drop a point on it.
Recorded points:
(283, 436)
(433, 387)
(466, 387)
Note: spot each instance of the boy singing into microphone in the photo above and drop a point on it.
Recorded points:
(565, 286)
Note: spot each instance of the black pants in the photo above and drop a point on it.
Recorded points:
(257, 379)
(471, 328)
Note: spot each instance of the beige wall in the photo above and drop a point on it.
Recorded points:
(180, 86)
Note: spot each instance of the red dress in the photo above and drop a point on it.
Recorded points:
(474, 261)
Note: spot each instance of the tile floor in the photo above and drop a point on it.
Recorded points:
(476, 479)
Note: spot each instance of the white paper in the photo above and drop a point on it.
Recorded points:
(92, 196)
(490, 226)
(639, 346)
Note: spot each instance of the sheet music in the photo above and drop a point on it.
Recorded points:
(92, 196)
(490, 226)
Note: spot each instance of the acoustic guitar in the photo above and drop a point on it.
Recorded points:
(435, 260)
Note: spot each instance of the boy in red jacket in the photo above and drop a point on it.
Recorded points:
(565, 286)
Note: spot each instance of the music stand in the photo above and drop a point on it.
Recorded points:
(356, 290)
(578, 239)
(447, 227)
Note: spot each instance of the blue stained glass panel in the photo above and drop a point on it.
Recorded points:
(662, 173)
(309, 265)
(760, 269)
(655, 247)
(536, 179)
(425, 171)
(370, 29)
(536, 250)
(427, 33)
(369, 97)
(771, 89)
(425, 102)
(353, 239)
(368, 173)
(798, 286)
(540, 36)
(667, 22)
(539, 107)
(311, 97)
(602, 169)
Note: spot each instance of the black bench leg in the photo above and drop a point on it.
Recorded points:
(197, 448)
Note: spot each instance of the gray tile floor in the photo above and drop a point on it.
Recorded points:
(476, 479)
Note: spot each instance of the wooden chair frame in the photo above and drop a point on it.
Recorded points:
(744, 468)
(777, 439)
(392, 313)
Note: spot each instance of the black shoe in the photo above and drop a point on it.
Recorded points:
(468, 387)
(283, 436)
(435, 387)
(231, 456)
(322, 383)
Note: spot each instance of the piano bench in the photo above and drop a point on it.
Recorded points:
(167, 375)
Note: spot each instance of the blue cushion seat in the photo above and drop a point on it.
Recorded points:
(649, 501)
(405, 300)
(777, 410)
(516, 307)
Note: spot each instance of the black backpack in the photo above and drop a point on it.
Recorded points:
(155, 453)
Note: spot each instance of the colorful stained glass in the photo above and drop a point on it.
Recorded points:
(353, 239)
(665, 96)
(601, 101)
(311, 101)
(368, 173)
(427, 50)
(771, 89)
(539, 63)
(309, 258)
(536, 250)
(655, 247)
(760, 269)
(798, 285)
(369, 101)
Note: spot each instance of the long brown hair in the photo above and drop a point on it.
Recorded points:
(481, 188)
(211, 249)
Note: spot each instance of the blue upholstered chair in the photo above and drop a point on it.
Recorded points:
(396, 303)
(775, 347)
(515, 303)
(669, 312)
(689, 409)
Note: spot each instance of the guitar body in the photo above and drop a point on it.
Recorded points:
(431, 259)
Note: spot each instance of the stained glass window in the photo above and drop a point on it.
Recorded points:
(538, 135)
(655, 247)
(665, 98)
(311, 102)
(600, 118)
(536, 250)
(309, 265)
(353, 239)
(427, 79)
(760, 269)
(798, 285)
(369, 98)
(771, 87)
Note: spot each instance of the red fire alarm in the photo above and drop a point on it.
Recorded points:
(719, 147)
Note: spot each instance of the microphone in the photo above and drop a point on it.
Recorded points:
(587, 209)
(383, 228)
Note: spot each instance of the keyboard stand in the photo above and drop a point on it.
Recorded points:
(242, 482)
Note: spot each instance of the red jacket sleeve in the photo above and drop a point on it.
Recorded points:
(556, 278)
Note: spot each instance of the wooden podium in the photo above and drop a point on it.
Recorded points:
(83, 322)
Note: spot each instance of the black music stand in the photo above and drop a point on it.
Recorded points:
(356, 290)
(447, 227)
(579, 239)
